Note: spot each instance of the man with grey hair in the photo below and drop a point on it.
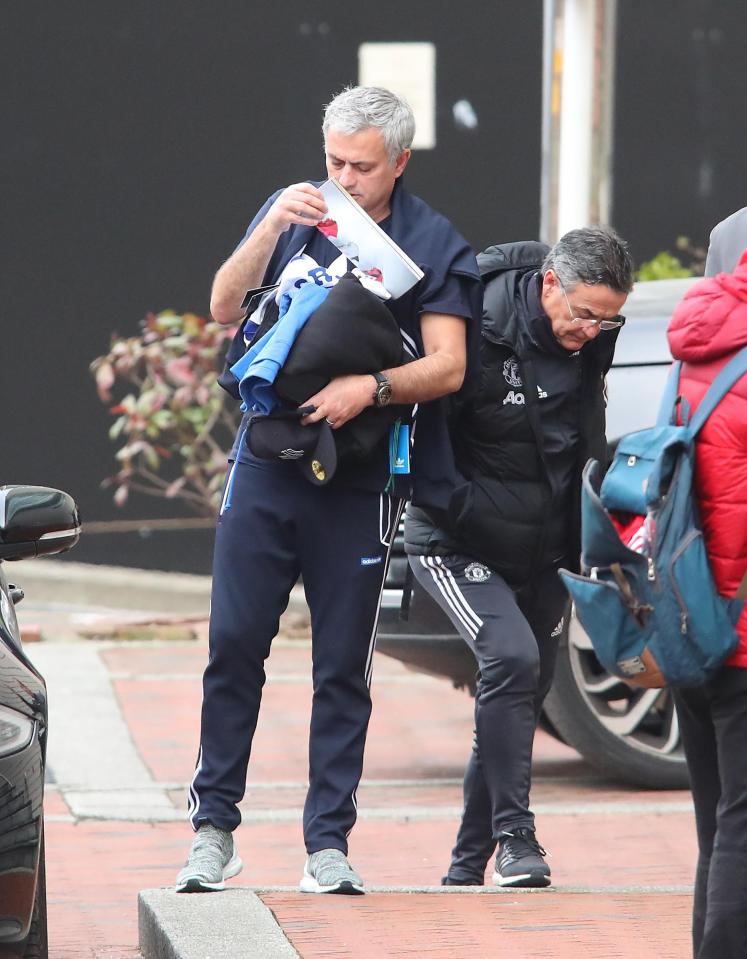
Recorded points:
(490, 559)
(727, 243)
(277, 523)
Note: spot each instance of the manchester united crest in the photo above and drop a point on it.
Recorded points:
(511, 372)
(476, 573)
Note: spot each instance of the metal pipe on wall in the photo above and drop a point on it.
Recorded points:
(577, 120)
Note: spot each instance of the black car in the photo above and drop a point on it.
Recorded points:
(629, 734)
(34, 521)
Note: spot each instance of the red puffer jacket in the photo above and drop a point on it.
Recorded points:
(708, 326)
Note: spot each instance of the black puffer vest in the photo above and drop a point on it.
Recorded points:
(508, 511)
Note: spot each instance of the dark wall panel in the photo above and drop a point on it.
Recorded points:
(681, 136)
(139, 139)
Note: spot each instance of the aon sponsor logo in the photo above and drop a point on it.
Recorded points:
(514, 397)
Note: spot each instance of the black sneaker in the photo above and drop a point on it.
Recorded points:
(519, 861)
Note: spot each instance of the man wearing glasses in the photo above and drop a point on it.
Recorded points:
(490, 560)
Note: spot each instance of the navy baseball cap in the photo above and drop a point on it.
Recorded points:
(280, 435)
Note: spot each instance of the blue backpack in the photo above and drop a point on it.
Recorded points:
(654, 617)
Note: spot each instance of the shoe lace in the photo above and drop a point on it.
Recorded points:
(521, 842)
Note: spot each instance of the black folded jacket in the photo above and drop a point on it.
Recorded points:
(352, 331)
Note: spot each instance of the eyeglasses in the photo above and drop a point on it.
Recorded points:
(591, 322)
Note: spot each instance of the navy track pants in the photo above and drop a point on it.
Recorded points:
(280, 525)
(514, 636)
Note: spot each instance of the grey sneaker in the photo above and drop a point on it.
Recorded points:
(520, 860)
(212, 859)
(329, 871)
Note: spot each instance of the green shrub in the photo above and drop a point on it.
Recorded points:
(173, 424)
(667, 266)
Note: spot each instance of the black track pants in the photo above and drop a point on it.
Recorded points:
(514, 637)
(279, 525)
(713, 724)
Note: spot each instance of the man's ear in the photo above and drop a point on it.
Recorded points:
(549, 284)
(401, 162)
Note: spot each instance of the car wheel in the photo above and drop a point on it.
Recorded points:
(629, 734)
(36, 943)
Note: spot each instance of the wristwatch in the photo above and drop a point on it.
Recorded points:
(383, 392)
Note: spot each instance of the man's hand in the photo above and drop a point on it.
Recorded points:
(439, 372)
(299, 203)
(341, 399)
(245, 268)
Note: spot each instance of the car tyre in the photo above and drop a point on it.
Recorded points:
(628, 734)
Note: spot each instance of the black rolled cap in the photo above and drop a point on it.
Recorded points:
(281, 436)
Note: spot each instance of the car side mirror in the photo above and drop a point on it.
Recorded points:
(36, 521)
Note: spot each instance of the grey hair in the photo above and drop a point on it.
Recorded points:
(357, 108)
(595, 255)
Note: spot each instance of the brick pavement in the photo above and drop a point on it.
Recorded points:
(605, 841)
(510, 925)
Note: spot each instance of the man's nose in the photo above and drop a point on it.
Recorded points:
(593, 331)
(347, 175)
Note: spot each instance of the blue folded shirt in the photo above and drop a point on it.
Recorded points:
(258, 367)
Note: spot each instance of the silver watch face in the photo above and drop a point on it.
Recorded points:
(383, 393)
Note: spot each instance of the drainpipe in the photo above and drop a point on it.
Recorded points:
(577, 114)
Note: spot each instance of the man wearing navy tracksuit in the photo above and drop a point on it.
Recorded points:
(276, 525)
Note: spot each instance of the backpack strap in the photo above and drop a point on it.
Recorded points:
(733, 371)
(669, 396)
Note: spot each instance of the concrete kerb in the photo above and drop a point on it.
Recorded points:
(119, 587)
(231, 925)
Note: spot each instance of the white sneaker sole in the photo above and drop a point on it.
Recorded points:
(343, 888)
(528, 880)
(196, 883)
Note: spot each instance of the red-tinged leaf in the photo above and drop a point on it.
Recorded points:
(182, 397)
(180, 371)
(120, 497)
(173, 488)
(104, 381)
